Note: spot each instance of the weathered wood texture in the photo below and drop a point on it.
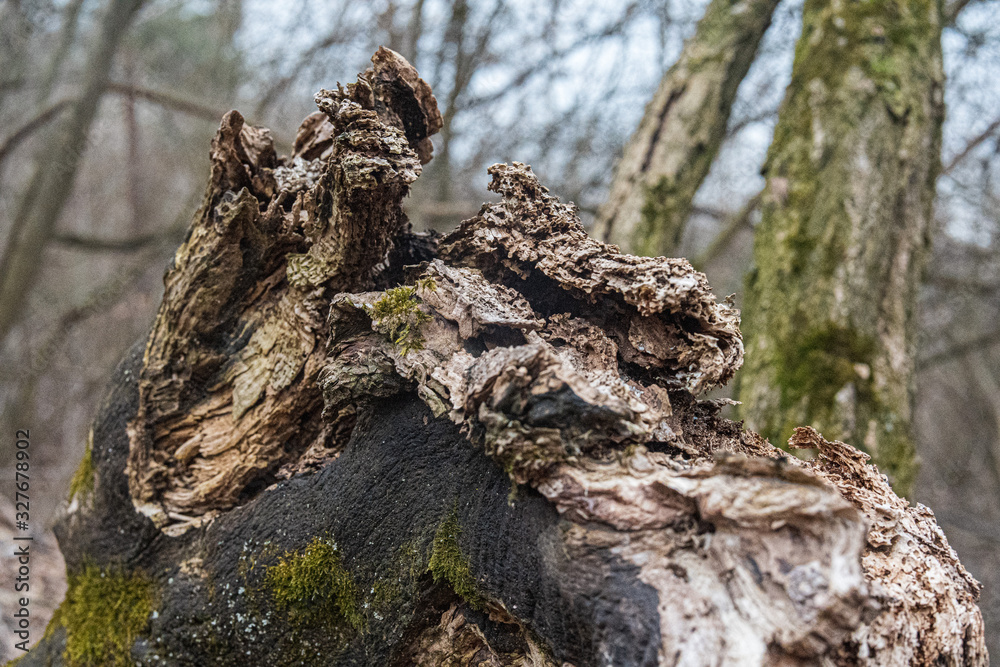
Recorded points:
(846, 222)
(247, 297)
(489, 451)
(670, 153)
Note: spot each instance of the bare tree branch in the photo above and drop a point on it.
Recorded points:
(39, 121)
(167, 100)
(415, 29)
(735, 223)
(339, 35)
(51, 184)
(132, 155)
(89, 243)
(971, 146)
(672, 150)
(953, 284)
(67, 33)
(49, 113)
(978, 368)
(13, 83)
(959, 350)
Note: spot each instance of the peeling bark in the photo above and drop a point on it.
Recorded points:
(483, 449)
(228, 389)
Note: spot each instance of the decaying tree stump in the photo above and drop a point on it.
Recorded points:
(345, 443)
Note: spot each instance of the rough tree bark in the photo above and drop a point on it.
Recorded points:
(354, 445)
(846, 224)
(670, 153)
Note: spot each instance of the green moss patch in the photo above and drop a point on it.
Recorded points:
(82, 484)
(314, 586)
(105, 611)
(450, 564)
(662, 218)
(820, 362)
(397, 313)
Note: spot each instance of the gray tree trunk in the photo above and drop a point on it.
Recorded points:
(670, 153)
(847, 218)
(347, 444)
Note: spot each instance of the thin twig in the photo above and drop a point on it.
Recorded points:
(91, 244)
(50, 112)
(67, 34)
(736, 223)
(29, 128)
(959, 350)
(972, 145)
(167, 100)
(190, 107)
(133, 158)
(953, 284)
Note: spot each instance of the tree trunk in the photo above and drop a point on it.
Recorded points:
(55, 171)
(347, 444)
(67, 35)
(670, 154)
(845, 229)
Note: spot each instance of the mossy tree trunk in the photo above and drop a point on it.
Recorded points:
(347, 444)
(669, 155)
(847, 218)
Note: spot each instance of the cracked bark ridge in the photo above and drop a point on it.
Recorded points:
(227, 390)
(924, 592)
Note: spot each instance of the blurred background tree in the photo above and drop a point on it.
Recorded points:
(846, 222)
(116, 100)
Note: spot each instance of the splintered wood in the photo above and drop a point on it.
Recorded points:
(575, 368)
(228, 391)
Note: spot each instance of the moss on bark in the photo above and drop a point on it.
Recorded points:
(105, 611)
(672, 151)
(829, 316)
(315, 587)
(82, 483)
(448, 563)
(398, 315)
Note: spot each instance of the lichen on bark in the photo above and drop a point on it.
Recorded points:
(846, 222)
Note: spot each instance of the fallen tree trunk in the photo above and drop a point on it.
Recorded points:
(345, 443)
